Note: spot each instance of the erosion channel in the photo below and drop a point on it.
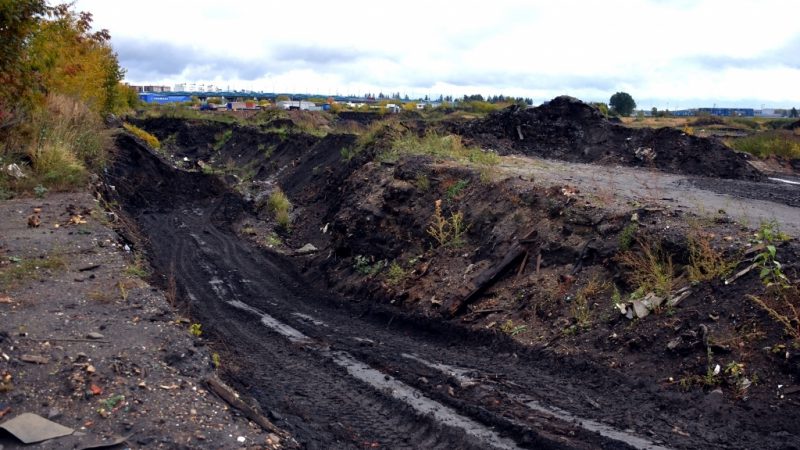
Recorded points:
(341, 373)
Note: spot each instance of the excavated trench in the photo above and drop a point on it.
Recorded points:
(345, 374)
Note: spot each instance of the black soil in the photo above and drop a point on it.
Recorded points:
(646, 375)
(570, 130)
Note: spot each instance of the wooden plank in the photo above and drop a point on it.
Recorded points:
(489, 276)
(229, 396)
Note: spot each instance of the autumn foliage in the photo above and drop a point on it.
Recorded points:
(58, 78)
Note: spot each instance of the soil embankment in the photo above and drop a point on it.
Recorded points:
(539, 260)
(570, 130)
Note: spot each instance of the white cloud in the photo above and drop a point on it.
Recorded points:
(683, 52)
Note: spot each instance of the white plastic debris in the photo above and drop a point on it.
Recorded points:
(15, 171)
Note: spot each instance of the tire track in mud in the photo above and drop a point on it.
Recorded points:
(337, 380)
(329, 408)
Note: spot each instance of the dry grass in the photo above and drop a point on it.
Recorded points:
(783, 305)
(279, 205)
(148, 138)
(66, 140)
(705, 262)
(649, 268)
(580, 308)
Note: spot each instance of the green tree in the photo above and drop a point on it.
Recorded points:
(793, 113)
(623, 103)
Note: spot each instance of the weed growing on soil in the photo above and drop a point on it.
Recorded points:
(39, 191)
(20, 269)
(784, 307)
(222, 138)
(510, 329)
(627, 236)
(395, 274)
(580, 305)
(137, 269)
(447, 232)
(422, 182)
(148, 138)
(771, 269)
(456, 189)
(272, 240)
(196, 330)
(367, 265)
(649, 269)
(279, 205)
(215, 360)
(705, 262)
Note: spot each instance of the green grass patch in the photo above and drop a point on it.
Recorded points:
(777, 142)
(17, 270)
(222, 139)
(440, 147)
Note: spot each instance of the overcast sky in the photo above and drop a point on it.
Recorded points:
(665, 53)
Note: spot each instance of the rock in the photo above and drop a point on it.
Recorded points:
(34, 221)
(306, 249)
(95, 335)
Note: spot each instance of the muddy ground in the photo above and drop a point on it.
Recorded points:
(89, 344)
(512, 332)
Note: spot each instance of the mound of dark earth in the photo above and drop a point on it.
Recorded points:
(570, 130)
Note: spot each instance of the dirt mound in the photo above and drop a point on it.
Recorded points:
(570, 130)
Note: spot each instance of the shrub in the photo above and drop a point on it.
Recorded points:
(148, 138)
(280, 206)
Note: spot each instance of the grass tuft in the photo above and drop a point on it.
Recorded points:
(280, 206)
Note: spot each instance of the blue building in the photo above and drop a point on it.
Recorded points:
(728, 112)
(161, 99)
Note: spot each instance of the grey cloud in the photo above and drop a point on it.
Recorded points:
(152, 59)
(785, 55)
(313, 55)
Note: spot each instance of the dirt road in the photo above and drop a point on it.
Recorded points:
(747, 202)
(342, 375)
